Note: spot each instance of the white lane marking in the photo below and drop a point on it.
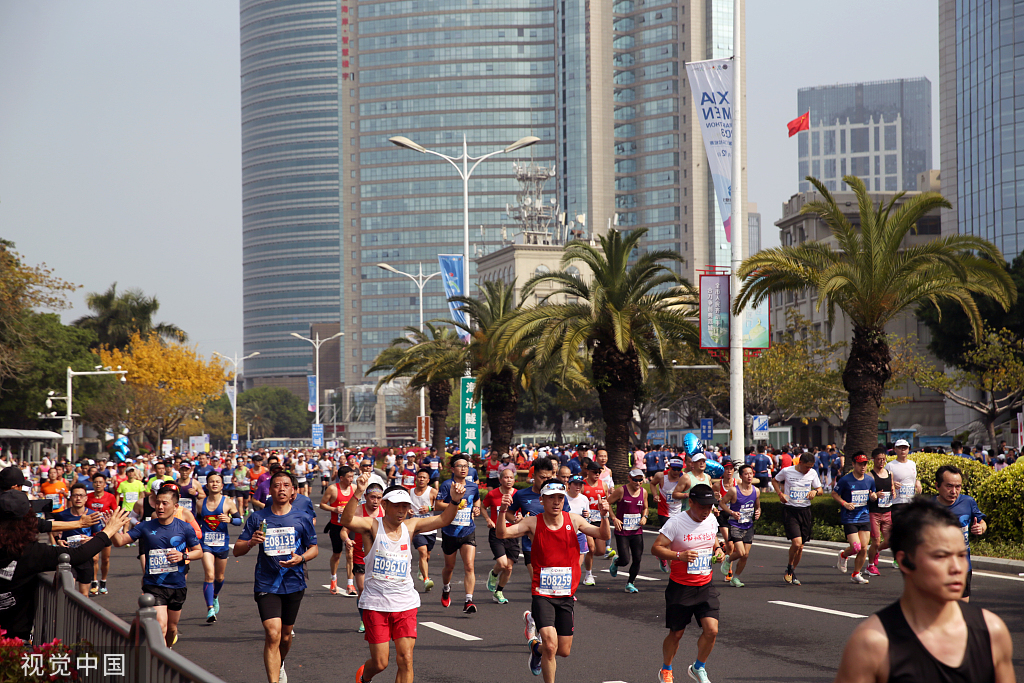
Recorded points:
(645, 578)
(819, 609)
(449, 631)
(994, 575)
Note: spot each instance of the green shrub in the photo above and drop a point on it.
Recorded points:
(1001, 497)
(974, 472)
(823, 509)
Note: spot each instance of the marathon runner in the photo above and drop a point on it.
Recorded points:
(190, 490)
(595, 491)
(879, 510)
(389, 601)
(103, 502)
(949, 483)
(287, 541)
(334, 500)
(905, 483)
(630, 516)
(853, 492)
(526, 502)
(215, 511)
(85, 573)
(240, 486)
(299, 469)
(408, 472)
(670, 487)
(459, 536)
(726, 485)
(743, 505)
(492, 466)
(433, 463)
(423, 496)
(371, 508)
(556, 573)
(55, 489)
(505, 551)
(797, 485)
(929, 634)
(166, 542)
(689, 541)
(203, 470)
(130, 490)
(326, 465)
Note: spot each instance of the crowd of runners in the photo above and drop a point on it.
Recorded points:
(385, 516)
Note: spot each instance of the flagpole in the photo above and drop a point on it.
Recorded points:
(737, 411)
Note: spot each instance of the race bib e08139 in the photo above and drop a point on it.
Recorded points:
(279, 541)
(555, 581)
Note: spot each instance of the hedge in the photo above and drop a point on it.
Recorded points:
(1001, 497)
(974, 472)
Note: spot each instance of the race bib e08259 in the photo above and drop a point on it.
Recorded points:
(859, 497)
(555, 581)
(279, 541)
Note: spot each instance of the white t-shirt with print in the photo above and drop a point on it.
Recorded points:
(796, 486)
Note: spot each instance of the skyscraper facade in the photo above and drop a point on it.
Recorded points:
(880, 132)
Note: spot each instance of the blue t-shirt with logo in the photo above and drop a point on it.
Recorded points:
(156, 539)
(527, 502)
(432, 463)
(76, 537)
(289, 533)
(574, 465)
(966, 511)
(463, 524)
(858, 492)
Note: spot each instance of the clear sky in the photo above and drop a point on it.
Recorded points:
(120, 154)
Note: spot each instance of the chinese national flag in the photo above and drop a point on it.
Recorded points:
(802, 122)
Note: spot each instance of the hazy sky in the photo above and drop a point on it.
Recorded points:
(120, 134)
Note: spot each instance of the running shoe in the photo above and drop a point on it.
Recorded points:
(610, 554)
(427, 585)
(535, 659)
(613, 569)
(362, 628)
(211, 615)
(857, 578)
(842, 562)
(94, 589)
(282, 677)
(735, 582)
(216, 605)
(796, 582)
(873, 570)
(359, 673)
(350, 592)
(788, 577)
(727, 569)
(530, 632)
(588, 580)
(334, 586)
(492, 582)
(499, 598)
(664, 568)
(103, 590)
(446, 598)
(895, 563)
(469, 607)
(630, 588)
(664, 676)
(700, 675)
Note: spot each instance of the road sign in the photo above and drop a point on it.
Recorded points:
(760, 424)
(318, 436)
(423, 428)
(470, 426)
(707, 429)
(234, 438)
(656, 436)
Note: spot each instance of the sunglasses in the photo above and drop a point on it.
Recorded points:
(638, 479)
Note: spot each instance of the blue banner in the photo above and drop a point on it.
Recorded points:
(707, 429)
(311, 381)
(454, 285)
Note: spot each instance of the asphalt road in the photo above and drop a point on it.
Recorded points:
(617, 639)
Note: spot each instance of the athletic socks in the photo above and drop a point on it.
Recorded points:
(334, 577)
(208, 593)
(666, 667)
(698, 664)
(500, 588)
(217, 585)
(447, 588)
(469, 597)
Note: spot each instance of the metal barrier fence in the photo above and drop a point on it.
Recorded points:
(62, 612)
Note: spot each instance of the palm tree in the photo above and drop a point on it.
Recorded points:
(871, 278)
(257, 414)
(623, 320)
(431, 359)
(117, 316)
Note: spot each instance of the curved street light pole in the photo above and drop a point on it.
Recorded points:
(317, 342)
(234, 409)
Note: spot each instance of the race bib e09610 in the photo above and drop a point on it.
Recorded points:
(701, 564)
(555, 581)
(390, 566)
(156, 559)
(279, 541)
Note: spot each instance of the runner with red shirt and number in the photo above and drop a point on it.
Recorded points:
(505, 551)
(689, 541)
(103, 502)
(594, 490)
(555, 559)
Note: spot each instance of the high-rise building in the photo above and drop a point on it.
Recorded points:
(880, 132)
(753, 229)
(328, 197)
(980, 122)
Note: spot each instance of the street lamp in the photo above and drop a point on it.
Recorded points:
(420, 280)
(317, 342)
(234, 400)
(69, 417)
(464, 171)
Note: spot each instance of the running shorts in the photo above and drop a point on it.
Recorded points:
(451, 544)
(683, 603)
(358, 568)
(384, 626)
(283, 606)
(584, 546)
(420, 540)
(881, 524)
(741, 535)
(337, 542)
(856, 528)
(797, 522)
(503, 547)
(84, 572)
(173, 598)
(219, 554)
(244, 495)
(555, 612)
(723, 518)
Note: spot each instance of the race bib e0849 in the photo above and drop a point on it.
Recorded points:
(555, 581)
(279, 541)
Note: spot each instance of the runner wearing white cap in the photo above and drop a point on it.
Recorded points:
(390, 601)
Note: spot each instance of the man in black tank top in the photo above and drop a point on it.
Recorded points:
(929, 634)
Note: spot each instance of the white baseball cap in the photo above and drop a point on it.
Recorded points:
(398, 496)
(902, 442)
(697, 456)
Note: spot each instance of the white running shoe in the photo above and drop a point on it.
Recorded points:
(282, 677)
(531, 628)
(857, 578)
(842, 562)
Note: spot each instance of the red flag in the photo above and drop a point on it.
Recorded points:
(802, 122)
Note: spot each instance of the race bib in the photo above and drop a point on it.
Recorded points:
(631, 522)
(55, 497)
(280, 541)
(408, 480)
(885, 499)
(594, 517)
(702, 563)
(390, 566)
(747, 513)
(202, 481)
(301, 480)
(186, 503)
(799, 494)
(464, 517)
(859, 497)
(906, 493)
(555, 581)
(227, 479)
(215, 538)
(157, 562)
(433, 465)
(967, 535)
(75, 541)
(131, 497)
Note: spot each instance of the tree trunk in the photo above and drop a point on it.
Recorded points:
(617, 377)
(500, 399)
(438, 394)
(867, 371)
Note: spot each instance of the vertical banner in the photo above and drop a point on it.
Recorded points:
(452, 277)
(318, 436)
(714, 311)
(311, 407)
(229, 389)
(711, 87)
(707, 429)
(423, 428)
(756, 325)
(469, 409)
(1020, 431)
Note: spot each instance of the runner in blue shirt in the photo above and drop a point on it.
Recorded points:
(215, 511)
(652, 461)
(166, 541)
(762, 470)
(73, 538)
(527, 502)
(433, 463)
(460, 535)
(204, 469)
(852, 492)
(287, 541)
(949, 483)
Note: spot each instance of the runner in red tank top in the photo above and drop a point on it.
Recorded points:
(555, 560)
(334, 499)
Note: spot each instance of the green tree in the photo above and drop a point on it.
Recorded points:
(257, 417)
(276, 411)
(623, 321)
(116, 317)
(873, 278)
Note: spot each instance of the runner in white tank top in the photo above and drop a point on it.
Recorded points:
(389, 586)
